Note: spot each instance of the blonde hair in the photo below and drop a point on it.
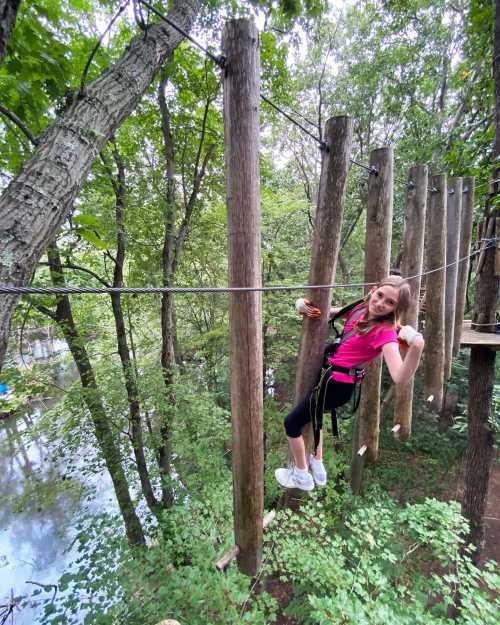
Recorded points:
(399, 283)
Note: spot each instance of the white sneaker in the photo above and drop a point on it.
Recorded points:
(318, 470)
(292, 478)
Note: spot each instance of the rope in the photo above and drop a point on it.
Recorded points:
(67, 290)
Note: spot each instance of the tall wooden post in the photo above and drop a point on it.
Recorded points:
(241, 136)
(482, 359)
(479, 453)
(377, 262)
(466, 220)
(328, 223)
(453, 217)
(411, 265)
(435, 290)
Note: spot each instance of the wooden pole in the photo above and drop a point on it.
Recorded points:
(411, 265)
(497, 247)
(435, 290)
(232, 553)
(377, 262)
(482, 360)
(453, 217)
(466, 220)
(241, 136)
(479, 453)
(326, 243)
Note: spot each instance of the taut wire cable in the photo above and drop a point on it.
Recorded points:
(16, 290)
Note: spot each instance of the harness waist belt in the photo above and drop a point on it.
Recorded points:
(356, 370)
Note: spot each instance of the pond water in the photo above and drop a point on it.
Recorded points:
(37, 540)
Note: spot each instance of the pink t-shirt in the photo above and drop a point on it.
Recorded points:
(361, 348)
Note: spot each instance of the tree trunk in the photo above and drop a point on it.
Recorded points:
(37, 201)
(167, 301)
(173, 242)
(482, 359)
(480, 447)
(92, 399)
(121, 337)
(8, 14)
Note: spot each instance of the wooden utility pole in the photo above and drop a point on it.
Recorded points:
(411, 265)
(466, 220)
(326, 243)
(377, 262)
(241, 137)
(453, 217)
(435, 290)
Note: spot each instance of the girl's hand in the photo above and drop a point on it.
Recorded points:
(305, 307)
(411, 337)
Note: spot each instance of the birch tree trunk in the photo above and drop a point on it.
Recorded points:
(37, 201)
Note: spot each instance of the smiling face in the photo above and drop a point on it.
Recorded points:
(383, 301)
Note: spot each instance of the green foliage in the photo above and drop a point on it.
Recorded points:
(402, 70)
(386, 565)
(110, 583)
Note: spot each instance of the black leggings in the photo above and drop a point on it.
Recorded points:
(337, 394)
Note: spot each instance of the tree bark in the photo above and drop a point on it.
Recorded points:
(411, 265)
(8, 14)
(453, 218)
(377, 261)
(482, 360)
(480, 446)
(241, 133)
(119, 186)
(167, 300)
(466, 219)
(325, 250)
(173, 243)
(37, 201)
(435, 290)
(103, 432)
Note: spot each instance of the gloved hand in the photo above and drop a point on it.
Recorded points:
(305, 307)
(408, 334)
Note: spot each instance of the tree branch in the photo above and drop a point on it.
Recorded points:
(20, 124)
(78, 268)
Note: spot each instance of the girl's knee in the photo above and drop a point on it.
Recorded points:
(292, 429)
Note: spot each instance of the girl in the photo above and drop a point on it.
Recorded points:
(374, 331)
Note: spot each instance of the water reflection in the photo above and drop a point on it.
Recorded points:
(38, 507)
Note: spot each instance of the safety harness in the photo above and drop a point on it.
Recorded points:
(325, 376)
